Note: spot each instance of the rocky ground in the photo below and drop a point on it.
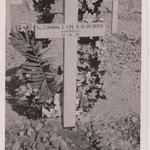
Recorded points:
(113, 123)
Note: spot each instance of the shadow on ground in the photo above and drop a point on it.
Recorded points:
(12, 83)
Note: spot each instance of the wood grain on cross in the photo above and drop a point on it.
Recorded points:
(70, 31)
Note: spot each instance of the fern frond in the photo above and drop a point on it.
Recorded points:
(37, 64)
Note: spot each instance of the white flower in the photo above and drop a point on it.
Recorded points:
(19, 74)
(46, 112)
(23, 88)
(87, 17)
(90, 4)
(28, 75)
(23, 27)
(99, 86)
(29, 86)
(88, 75)
(49, 100)
(28, 93)
(57, 108)
(37, 97)
(35, 90)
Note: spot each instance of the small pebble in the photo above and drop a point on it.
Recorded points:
(69, 140)
(55, 142)
(52, 113)
(134, 119)
(75, 130)
(8, 78)
(73, 145)
(22, 127)
(46, 112)
(46, 144)
(39, 126)
(89, 134)
(40, 146)
(56, 129)
(56, 100)
(58, 114)
(45, 137)
(21, 133)
(16, 146)
(30, 132)
(63, 145)
(57, 107)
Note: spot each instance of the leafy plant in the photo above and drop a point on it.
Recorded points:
(118, 134)
(89, 10)
(44, 7)
(90, 73)
(41, 79)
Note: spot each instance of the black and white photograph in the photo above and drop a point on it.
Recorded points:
(73, 74)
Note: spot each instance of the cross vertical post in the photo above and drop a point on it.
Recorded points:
(70, 65)
(8, 18)
(70, 31)
(115, 16)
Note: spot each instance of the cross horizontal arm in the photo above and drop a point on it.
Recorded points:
(69, 30)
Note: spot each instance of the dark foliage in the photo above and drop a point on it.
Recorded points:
(44, 7)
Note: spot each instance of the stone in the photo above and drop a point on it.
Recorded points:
(21, 133)
(33, 146)
(30, 132)
(46, 144)
(40, 146)
(45, 112)
(8, 79)
(52, 113)
(89, 134)
(56, 100)
(75, 130)
(16, 145)
(57, 108)
(39, 136)
(77, 113)
(56, 129)
(22, 127)
(58, 114)
(73, 145)
(63, 145)
(134, 119)
(55, 142)
(69, 140)
(45, 137)
(39, 126)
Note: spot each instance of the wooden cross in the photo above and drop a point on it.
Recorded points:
(114, 15)
(70, 31)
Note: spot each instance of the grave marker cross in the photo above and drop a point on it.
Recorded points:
(70, 31)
